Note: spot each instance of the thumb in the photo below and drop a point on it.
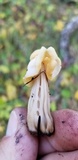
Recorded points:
(21, 144)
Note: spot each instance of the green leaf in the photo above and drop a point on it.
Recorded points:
(53, 106)
(4, 69)
(2, 15)
(15, 66)
(66, 93)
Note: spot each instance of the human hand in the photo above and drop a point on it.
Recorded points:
(19, 144)
(63, 144)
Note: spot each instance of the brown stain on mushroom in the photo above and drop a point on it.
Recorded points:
(39, 91)
(38, 104)
(37, 113)
(32, 95)
(40, 80)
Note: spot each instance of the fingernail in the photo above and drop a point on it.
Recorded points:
(12, 124)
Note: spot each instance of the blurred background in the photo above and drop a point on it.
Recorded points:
(24, 27)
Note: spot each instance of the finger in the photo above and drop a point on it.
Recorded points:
(22, 144)
(62, 156)
(65, 137)
(25, 143)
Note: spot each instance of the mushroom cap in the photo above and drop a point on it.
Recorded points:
(47, 57)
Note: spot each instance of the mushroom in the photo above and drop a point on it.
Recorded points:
(44, 65)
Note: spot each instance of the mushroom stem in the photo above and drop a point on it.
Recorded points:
(39, 106)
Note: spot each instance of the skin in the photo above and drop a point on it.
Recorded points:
(20, 144)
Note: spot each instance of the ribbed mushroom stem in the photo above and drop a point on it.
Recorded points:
(39, 106)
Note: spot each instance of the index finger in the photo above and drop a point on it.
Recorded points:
(65, 137)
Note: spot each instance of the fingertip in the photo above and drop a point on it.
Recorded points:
(21, 110)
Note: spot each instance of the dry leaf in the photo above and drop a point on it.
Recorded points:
(59, 25)
(76, 95)
(11, 91)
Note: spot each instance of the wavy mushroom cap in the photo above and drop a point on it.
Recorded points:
(43, 57)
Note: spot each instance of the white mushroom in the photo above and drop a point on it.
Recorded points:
(44, 65)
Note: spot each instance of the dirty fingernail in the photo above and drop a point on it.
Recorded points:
(12, 124)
